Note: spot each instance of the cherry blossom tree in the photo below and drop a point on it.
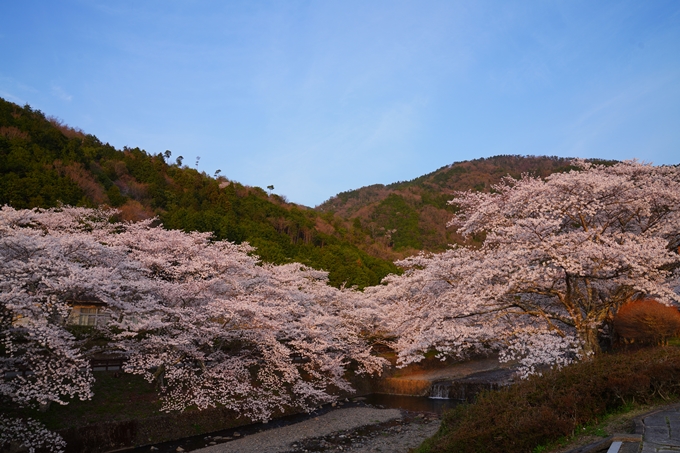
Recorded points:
(222, 329)
(203, 319)
(559, 256)
(40, 362)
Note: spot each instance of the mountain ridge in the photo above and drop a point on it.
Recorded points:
(44, 162)
(411, 216)
(355, 235)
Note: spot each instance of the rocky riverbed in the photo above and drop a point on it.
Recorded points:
(354, 429)
(397, 436)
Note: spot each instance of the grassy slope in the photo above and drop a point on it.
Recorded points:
(543, 411)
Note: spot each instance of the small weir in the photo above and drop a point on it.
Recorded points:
(466, 389)
(440, 390)
(462, 391)
(410, 403)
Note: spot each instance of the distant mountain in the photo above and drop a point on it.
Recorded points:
(355, 235)
(406, 217)
(44, 162)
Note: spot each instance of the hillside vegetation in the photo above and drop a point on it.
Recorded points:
(355, 235)
(410, 216)
(44, 162)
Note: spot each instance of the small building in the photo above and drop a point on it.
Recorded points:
(88, 313)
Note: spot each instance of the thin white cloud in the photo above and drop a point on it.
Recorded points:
(395, 125)
(620, 105)
(60, 93)
(9, 86)
(595, 130)
(10, 97)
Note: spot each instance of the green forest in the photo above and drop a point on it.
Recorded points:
(410, 216)
(355, 235)
(44, 162)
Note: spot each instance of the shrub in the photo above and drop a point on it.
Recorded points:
(647, 321)
(545, 408)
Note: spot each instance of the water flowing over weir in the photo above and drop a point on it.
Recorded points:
(463, 390)
(410, 403)
(467, 388)
(440, 390)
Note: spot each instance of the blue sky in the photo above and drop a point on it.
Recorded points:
(319, 97)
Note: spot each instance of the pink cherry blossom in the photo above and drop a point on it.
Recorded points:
(204, 320)
(559, 257)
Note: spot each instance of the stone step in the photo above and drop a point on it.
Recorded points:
(616, 443)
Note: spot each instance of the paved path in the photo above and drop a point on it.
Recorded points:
(660, 430)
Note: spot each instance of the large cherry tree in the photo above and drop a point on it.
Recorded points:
(221, 329)
(558, 257)
(40, 362)
(203, 319)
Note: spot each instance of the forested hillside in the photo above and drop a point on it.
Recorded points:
(44, 162)
(410, 216)
(355, 235)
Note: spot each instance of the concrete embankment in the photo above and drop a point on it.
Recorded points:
(104, 437)
(458, 381)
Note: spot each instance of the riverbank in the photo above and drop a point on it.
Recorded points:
(356, 429)
(348, 424)
(124, 410)
(330, 433)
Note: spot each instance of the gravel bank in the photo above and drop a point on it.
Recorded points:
(356, 429)
(396, 436)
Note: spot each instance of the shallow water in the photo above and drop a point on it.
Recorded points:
(410, 403)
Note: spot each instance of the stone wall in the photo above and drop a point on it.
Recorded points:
(132, 433)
